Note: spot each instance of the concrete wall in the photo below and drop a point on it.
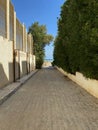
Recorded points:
(6, 62)
(90, 85)
(7, 47)
(24, 63)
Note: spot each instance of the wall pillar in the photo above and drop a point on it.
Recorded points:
(26, 42)
(23, 37)
(7, 19)
(30, 44)
(14, 47)
(14, 30)
(34, 61)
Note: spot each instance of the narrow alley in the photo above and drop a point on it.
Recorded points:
(49, 101)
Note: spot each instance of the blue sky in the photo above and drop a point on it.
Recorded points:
(43, 11)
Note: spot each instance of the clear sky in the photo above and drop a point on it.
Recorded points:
(43, 11)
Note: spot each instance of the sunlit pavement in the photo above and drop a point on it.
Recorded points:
(49, 101)
(47, 64)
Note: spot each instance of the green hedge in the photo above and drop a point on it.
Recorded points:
(76, 45)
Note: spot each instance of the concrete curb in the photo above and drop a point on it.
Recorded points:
(10, 89)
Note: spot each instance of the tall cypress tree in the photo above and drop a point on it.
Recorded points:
(77, 37)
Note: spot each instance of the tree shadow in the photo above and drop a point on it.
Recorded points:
(48, 68)
(24, 68)
(11, 72)
(3, 78)
(17, 70)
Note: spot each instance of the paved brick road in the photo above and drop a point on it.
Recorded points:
(49, 101)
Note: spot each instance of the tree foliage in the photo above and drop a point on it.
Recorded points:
(76, 45)
(41, 39)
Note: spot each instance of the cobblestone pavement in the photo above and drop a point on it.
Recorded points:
(49, 101)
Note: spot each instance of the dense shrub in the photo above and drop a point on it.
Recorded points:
(76, 45)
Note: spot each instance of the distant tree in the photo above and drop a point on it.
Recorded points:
(41, 39)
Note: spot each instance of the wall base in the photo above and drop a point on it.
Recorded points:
(90, 85)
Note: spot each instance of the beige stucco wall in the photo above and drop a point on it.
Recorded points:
(90, 85)
(6, 62)
(7, 47)
(24, 63)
